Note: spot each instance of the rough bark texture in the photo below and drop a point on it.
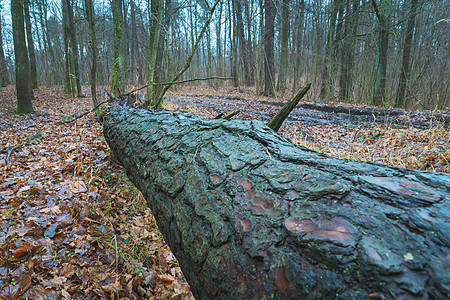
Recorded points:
(269, 31)
(4, 77)
(404, 72)
(383, 12)
(22, 66)
(249, 215)
(30, 45)
(90, 16)
(74, 48)
(117, 85)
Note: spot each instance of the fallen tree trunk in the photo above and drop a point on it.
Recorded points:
(249, 215)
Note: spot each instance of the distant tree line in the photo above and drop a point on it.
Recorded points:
(383, 52)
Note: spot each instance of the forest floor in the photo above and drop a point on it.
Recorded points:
(73, 226)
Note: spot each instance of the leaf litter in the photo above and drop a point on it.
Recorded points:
(71, 224)
(73, 227)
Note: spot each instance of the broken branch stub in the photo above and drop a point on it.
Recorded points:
(249, 215)
(277, 120)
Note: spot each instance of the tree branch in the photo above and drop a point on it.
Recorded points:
(176, 82)
(377, 10)
(188, 62)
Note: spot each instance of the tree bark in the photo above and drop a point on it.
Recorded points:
(74, 49)
(250, 52)
(269, 31)
(30, 45)
(285, 28)
(243, 49)
(249, 215)
(90, 16)
(325, 88)
(117, 85)
(299, 44)
(348, 51)
(69, 87)
(404, 72)
(383, 13)
(4, 77)
(157, 12)
(22, 66)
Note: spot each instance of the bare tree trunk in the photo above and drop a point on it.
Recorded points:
(383, 13)
(243, 53)
(74, 49)
(285, 28)
(23, 79)
(52, 78)
(250, 52)
(118, 80)
(136, 60)
(4, 77)
(156, 15)
(329, 53)
(348, 51)
(219, 63)
(401, 100)
(299, 44)
(90, 15)
(269, 31)
(30, 45)
(233, 42)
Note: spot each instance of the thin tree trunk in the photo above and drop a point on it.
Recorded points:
(250, 52)
(90, 15)
(233, 42)
(281, 86)
(243, 53)
(69, 87)
(219, 69)
(74, 49)
(23, 79)
(269, 31)
(117, 85)
(135, 56)
(4, 77)
(30, 45)
(383, 12)
(329, 53)
(298, 45)
(158, 71)
(347, 56)
(156, 14)
(401, 100)
(49, 49)
(188, 61)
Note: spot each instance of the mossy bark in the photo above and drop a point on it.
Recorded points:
(250, 215)
(117, 85)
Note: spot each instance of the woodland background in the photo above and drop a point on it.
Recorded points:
(392, 52)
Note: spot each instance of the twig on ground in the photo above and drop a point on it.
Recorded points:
(10, 153)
